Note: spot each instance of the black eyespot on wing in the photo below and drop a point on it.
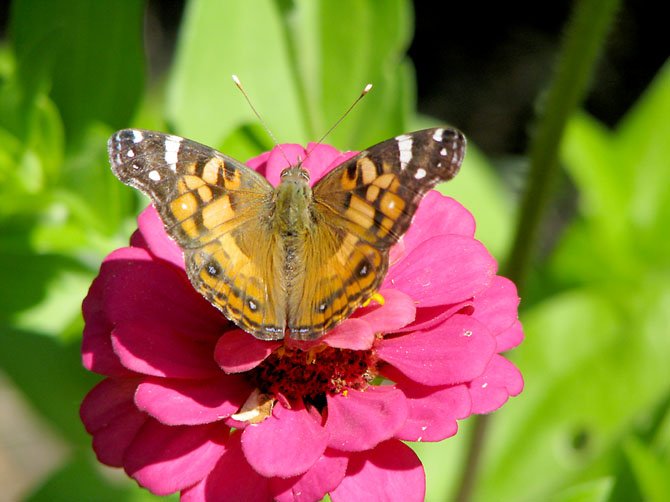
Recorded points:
(363, 268)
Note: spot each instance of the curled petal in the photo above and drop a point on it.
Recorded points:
(359, 420)
(97, 353)
(231, 479)
(109, 414)
(492, 389)
(189, 402)
(398, 311)
(166, 459)
(497, 305)
(353, 334)
(510, 338)
(391, 471)
(456, 351)
(324, 476)
(433, 412)
(444, 270)
(238, 351)
(285, 444)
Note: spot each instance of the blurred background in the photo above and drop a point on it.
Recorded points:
(593, 422)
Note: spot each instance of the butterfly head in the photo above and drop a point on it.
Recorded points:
(294, 175)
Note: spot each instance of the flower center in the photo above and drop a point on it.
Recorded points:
(310, 375)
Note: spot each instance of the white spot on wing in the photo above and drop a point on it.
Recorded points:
(172, 145)
(130, 153)
(137, 136)
(443, 152)
(420, 173)
(438, 135)
(405, 149)
(154, 175)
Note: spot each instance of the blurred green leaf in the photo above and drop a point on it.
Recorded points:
(82, 479)
(585, 387)
(593, 491)
(481, 191)
(49, 373)
(651, 472)
(84, 53)
(307, 62)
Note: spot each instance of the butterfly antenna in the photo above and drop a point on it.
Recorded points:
(365, 90)
(237, 82)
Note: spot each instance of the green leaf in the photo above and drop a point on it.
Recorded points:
(651, 472)
(480, 190)
(592, 491)
(89, 54)
(594, 362)
(82, 479)
(221, 38)
(50, 375)
(307, 62)
(624, 184)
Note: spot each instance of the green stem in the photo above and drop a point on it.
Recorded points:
(583, 41)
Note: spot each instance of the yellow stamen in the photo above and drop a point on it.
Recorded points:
(377, 298)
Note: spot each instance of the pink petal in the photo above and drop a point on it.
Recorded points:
(237, 351)
(391, 471)
(259, 162)
(398, 311)
(231, 479)
(497, 305)
(360, 420)
(324, 476)
(354, 334)
(156, 239)
(430, 317)
(97, 353)
(137, 286)
(433, 411)
(187, 402)
(323, 159)
(152, 347)
(285, 444)
(492, 389)
(277, 162)
(510, 338)
(453, 352)
(443, 270)
(109, 414)
(166, 459)
(438, 215)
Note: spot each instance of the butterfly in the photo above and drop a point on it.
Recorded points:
(291, 260)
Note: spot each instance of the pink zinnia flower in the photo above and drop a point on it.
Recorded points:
(192, 404)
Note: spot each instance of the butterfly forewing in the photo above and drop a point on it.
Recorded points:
(376, 193)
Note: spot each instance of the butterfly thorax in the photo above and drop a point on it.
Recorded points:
(293, 200)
